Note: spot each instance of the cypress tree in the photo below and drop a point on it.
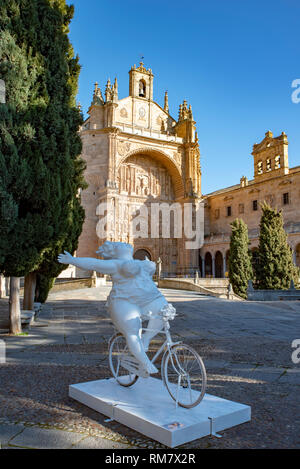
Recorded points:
(40, 171)
(240, 267)
(275, 268)
(49, 268)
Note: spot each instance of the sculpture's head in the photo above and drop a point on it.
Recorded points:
(115, 250)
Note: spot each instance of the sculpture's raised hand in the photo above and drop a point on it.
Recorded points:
(65, 258)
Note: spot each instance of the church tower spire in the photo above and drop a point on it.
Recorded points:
(114, 92)
(141, 82)
(166, 103)
(97, 96)
(108, 91)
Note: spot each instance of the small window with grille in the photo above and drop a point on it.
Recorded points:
(286, 198)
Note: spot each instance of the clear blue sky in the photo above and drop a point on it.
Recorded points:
(233, 60)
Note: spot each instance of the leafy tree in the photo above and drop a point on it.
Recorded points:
(275, 268)
(240, 267)
(40, 171)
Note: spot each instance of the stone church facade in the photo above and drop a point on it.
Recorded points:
(137, 154)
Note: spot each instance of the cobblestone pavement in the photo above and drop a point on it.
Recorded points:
(246, 347)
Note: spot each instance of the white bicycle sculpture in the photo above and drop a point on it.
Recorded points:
(182, 369)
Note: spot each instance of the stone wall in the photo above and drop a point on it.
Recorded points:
(189, 284)
(292, 294)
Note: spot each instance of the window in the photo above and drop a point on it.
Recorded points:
(254, 205)
(241, 208)
(269, 167)
(277, 162)
(228, 211)
(217, 213)
(286, 199)
(259, 167)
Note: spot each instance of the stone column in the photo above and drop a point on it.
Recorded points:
(203, 266)
(213, 265)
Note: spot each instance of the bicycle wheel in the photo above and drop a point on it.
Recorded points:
(184, 375)
(119, 354)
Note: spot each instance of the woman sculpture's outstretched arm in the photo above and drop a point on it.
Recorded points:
(88, 263)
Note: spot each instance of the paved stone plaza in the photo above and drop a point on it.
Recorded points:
(246, 347)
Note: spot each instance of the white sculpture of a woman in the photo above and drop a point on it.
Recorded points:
(133, 294)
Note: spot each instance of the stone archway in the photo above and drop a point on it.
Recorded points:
(144, 179)
(173, 167)
(141, 254)
(219, 265)
(208, 265)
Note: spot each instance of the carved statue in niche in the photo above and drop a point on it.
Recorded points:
(142, 184)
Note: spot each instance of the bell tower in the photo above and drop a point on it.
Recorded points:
(271, 156)
(141, 82)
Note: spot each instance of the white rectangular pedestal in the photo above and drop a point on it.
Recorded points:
(148, 408)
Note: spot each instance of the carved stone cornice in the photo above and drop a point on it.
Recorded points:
(285, 182)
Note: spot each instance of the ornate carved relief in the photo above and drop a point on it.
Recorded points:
(144, 150)
(142, 113)
(285, 182)
(143, 176)
(254, 190)
(123, 148)
(123, 112)
(177, 157)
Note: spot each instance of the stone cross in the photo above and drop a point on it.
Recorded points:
(2, 92)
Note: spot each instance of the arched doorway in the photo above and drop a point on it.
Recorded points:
(208, 265)
(141, 254)
(218, 265)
